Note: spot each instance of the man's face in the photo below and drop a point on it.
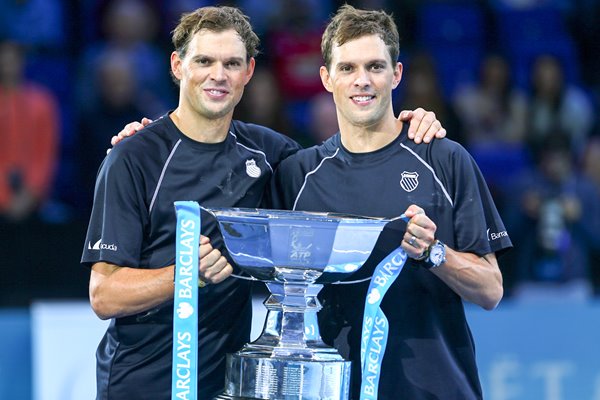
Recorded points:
(361, 78)
(213, 73)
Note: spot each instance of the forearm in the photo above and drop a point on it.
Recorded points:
(120, 291)
(475, 279)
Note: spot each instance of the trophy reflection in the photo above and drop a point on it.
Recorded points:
(294, 253)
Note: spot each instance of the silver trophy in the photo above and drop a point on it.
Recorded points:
(294, 253)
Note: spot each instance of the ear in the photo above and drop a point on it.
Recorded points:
(176, 62)
(250, 70)
(397, 75)
(326, 79)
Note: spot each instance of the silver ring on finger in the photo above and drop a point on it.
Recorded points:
(413, 241)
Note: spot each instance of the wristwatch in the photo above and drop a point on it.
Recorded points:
(435, 255)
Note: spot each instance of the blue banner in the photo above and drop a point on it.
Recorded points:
(375, 324)
(184, 384)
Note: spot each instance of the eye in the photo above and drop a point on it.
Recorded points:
(377, 67)
(203, 61)
(345, 68)
(233, 64)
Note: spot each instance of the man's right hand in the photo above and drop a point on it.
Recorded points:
(214, 268)
(129, 130)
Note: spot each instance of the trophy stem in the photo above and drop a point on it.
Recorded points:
(291, 329)
(289, 360)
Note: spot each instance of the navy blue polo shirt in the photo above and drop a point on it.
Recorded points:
(133, 224)
(430, 352)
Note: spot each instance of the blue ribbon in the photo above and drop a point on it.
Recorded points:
(375, 324)
(184, 384)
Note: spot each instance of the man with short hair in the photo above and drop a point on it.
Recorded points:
(371, 168)
(196, 152)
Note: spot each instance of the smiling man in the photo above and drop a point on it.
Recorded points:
(195, 153)
(370, 167)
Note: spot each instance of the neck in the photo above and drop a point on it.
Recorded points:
(365, 139)
(199, 128)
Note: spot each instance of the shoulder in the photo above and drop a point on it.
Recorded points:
(311, 157)
(438, 149)
(146, 145)
(259, 133)
(275, 146)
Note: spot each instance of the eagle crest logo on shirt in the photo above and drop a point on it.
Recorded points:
(409, 181)
(252, 169)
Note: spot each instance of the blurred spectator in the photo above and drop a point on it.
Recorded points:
(116, 104)
(584, 25)
(130, 26)
(591, 160)
(556, 106)
(262, 102)
(294, 47)
(493, 113)
(422, 89)
(553, 217)
(262, 13)
(171, 11)
(323, 118)
(29, 129)
(591, 169)
(492, 110)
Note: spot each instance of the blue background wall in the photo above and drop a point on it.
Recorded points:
(546, 350)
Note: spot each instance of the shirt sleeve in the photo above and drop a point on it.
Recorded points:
(478, 226)
(119, 214)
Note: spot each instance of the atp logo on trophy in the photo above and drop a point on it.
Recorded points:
(300, 245)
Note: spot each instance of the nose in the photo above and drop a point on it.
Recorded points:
(362, 78)
(217, 72)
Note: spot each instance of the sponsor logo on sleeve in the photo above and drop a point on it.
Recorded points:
(102, 246)
(496, 235)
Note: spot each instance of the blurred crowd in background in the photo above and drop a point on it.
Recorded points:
(517, 82)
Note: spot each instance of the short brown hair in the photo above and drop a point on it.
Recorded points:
(350, 23)
(215, 19)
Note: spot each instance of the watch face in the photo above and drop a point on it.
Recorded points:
(436, 255)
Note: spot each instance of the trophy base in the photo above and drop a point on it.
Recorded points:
(252, 377)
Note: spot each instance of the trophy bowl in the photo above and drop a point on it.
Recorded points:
(326, 246)
(294, 253)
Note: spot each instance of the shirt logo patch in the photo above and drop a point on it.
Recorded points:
(101, 246)
(496, 235)
(409, 181)
(252, 169)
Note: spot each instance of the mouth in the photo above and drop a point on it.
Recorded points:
(216, 93)
(362, 99)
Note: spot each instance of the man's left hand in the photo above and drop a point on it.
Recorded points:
(420, 232)
(424, 125)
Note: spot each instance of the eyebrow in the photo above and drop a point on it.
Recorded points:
(373, 61)
(232, 58)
